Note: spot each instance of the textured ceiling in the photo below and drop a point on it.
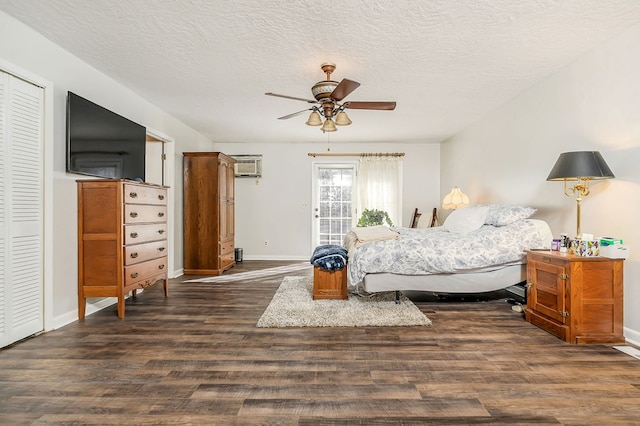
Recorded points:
(209, 63)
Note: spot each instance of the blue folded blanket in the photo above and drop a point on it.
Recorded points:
(329, 257)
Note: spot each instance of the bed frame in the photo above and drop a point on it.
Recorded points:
(471, 282)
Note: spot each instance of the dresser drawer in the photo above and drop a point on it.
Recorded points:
(136, 234)
(142, 271)
(137, 194)
(142, 252)
(227, 254)
(226, 247)
(226, 260)
(135, 213)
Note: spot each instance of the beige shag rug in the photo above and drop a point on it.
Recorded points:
(293, 306)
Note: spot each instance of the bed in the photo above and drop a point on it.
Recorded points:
(478, 249)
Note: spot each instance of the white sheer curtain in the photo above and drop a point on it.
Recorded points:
(380, 186)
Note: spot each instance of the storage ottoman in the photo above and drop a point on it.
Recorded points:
(329, 284)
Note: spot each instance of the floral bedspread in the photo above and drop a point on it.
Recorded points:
(421, 251)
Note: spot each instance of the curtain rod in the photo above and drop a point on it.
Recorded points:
(361, 154)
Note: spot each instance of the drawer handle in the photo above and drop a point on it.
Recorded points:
(133, 194)
(134, 275)
(134, 255)
(133, 235)
(160, 248)
(133, 214)
(160, 214)
(160, 197)
(161, 266)
(161, 231)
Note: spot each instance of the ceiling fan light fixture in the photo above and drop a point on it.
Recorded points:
(342, 119)
(314, 119)
(329, 126)
(328, 103)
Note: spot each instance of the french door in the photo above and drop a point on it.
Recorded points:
(334, 189)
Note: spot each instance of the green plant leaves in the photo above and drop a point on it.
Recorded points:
(372, 217)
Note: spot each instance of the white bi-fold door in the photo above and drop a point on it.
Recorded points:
(21, 209)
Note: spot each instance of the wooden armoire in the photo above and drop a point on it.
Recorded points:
(208, 213)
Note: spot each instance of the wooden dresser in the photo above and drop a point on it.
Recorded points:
(578, 299)
(209, 211)
(122, 239)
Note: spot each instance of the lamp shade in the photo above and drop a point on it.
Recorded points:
(314, 119)
(328, 126)
(580, 165)
(342, 119)
(455, 199)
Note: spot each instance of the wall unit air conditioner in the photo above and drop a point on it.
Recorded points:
(248, 165)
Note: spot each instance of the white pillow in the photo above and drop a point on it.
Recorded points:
(502, 215)
(465, 220)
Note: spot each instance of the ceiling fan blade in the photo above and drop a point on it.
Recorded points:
(343, 89)
(284, 117)
(291, 97)
(370, 105)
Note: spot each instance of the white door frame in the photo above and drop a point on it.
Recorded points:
(315, 196)
(168, 173)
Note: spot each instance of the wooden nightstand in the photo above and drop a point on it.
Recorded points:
(578, 299)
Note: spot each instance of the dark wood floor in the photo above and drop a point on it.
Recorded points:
(197, 358)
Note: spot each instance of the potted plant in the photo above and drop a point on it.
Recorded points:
(372, 217)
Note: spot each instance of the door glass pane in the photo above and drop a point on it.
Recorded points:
(346, 193)
(325, 176)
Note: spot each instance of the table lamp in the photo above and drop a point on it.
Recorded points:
(581, 167)
(455, 199)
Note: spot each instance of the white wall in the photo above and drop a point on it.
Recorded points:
(278, 207)
(25, 49)
(594, 104)
(277, 210)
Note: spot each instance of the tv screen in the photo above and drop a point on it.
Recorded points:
(102, 143)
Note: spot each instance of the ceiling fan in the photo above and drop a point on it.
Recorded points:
(328, 96)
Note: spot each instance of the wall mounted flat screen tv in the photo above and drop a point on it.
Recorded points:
(102, 143)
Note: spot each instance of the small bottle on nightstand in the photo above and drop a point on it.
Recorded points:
(564, 242)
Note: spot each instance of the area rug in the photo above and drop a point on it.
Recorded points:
(293, 306)
(250, 275)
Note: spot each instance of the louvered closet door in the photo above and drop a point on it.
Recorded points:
(21, 211)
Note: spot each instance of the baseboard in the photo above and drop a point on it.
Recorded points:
(276, 257)
(632, 336)
(91, 308)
